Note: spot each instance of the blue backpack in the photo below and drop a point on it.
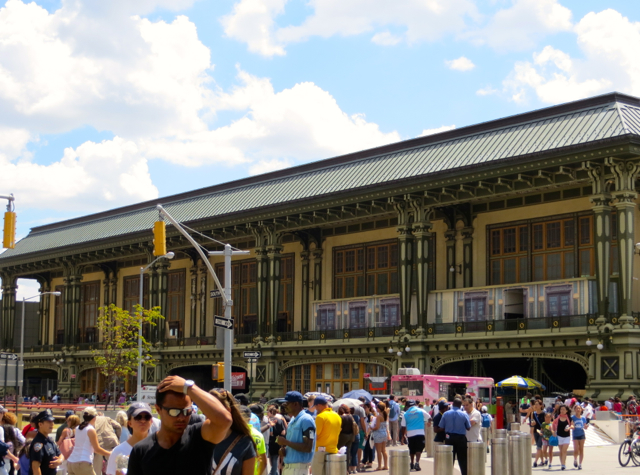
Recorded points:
(393, 411)
(486, 420)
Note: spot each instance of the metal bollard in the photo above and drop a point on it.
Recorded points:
(484, 433)
(499, 457)
(443, 460)
(514, 426)
(335, 464)
(525, 446)
(399, 462)
(429, 435)
(514, 455)
(476, 454)
(501, 434)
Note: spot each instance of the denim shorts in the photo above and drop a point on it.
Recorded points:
(579, 437)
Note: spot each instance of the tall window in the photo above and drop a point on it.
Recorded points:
(89, 303)
(389, 313)
(547, 250)
(326, 317)
(284, 321)
(174, 313)
(131, 296)
(370, 269)
(58, 317)
(244, 291)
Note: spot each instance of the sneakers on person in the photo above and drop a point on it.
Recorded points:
(417, 467)
(580, 466)
(562, 467)
(549, 467)
(411, 464)
(535, 464)
(575, 464)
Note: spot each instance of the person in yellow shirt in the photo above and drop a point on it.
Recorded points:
(328, 427)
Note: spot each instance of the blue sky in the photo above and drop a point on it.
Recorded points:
(105, 104)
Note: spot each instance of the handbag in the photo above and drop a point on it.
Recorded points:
(553, 441)
(67, 445)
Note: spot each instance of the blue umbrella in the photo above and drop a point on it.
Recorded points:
(356, 393)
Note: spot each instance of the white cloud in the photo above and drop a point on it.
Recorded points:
(385, 38)
(253, 21)
(609, 43)
(487, 91)
(91, 177)
(437, 130)
(460, 64)
(522, 25)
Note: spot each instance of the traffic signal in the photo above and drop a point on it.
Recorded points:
(9, 235)
(217, 372)
(159, 239)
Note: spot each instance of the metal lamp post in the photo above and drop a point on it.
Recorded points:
(168, 255)
(24, 304)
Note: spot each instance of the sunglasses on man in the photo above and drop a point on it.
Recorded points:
(175, 412)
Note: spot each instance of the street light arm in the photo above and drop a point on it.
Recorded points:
(205, 258)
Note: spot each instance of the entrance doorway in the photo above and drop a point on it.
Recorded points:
(514, 303)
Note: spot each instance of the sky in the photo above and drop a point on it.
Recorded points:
(105, 104)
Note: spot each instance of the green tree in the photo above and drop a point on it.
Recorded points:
(118, 358)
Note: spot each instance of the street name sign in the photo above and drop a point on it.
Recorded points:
(252, 354)
(215, 293)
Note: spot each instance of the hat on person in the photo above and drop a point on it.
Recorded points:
(68, 413)
(138, 408)
(320, 400)
(91, 411)
(484, 409)
(293, 396)
(44, 416)
(443, 405)
(2, 410)
(410, 403)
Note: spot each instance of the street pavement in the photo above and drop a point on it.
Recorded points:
(598, 461)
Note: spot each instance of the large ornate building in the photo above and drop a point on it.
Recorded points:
(500, 248)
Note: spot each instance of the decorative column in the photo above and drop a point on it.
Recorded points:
(602, 215)
(304, 298)
(43, 321)
(110, 287)
(405, 248)
(9, 287)
(625, 176)
(262, 265)
(317, 274)
(193, 299)
(467, 257)
(450, 236)
(274, 256)
(203, 273)
(422, 235)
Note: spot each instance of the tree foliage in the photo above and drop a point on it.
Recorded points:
(118, 358)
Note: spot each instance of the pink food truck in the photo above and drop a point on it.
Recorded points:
(426, 387)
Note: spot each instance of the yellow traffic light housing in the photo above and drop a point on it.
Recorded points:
(9, 234)
(220, 372)
(159, 239)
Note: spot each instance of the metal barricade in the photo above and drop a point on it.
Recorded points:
(443, 460)
(499, 457)
(514, 455)
(399, 461)
(525, 447)
(475, 458)
(335, 464)
(429, 435)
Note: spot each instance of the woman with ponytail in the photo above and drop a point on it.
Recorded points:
(81, 459)
(236, 454)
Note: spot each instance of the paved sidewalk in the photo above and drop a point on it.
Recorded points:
(598, 461)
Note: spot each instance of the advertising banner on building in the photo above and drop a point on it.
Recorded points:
(238, 380)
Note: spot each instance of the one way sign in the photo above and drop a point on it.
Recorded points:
(252, 354)
(215, 293)
(223, 322)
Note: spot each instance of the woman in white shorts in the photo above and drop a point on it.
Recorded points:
(562, 427)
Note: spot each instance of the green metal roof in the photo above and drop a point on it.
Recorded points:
(551, 129)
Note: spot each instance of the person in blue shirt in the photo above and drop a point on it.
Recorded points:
(579, 425)
(394, 414)
(299, 445)
(413, 424)
(456, 423)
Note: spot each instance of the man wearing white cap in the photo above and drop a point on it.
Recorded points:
(138, 422)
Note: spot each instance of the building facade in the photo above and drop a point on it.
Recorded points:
(502, 248)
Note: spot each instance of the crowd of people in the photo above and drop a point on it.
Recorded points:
(233, 437)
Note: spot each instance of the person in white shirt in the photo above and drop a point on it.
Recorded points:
(588, 411)
(473, 434)
(609, 404)
(139, 421)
